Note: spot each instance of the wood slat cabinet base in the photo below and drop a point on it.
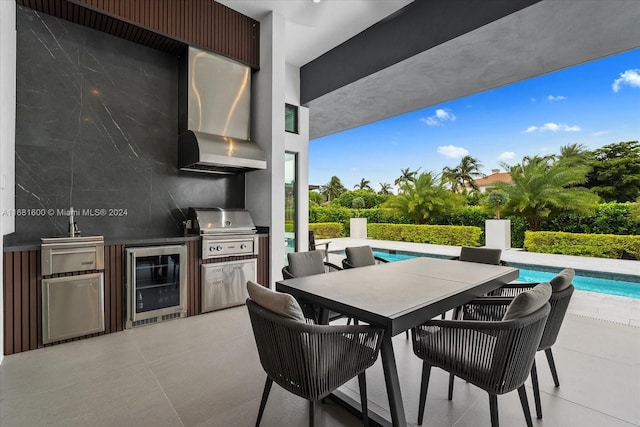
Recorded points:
(22, 287)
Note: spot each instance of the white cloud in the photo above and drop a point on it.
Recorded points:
(445, 115)
(452, 151)
(629, 77)
(556, 98)
(602, 132)
(533, 100)
(552, 127)
(441, 115)
(431, 121)
(507, 155)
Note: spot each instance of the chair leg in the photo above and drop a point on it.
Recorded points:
(552, 365)
(312, 412)
(263, 402)
(536, 390)
(406, 334)
(451, 377)
(362, 382)
(525, 405)
(493, 409)
(424, 384)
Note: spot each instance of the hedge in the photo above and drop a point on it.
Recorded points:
(326, 230)
(593, 245)
(456, 235)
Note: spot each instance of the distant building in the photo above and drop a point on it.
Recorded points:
(488, 182)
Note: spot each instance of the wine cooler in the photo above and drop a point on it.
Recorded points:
(156, 284)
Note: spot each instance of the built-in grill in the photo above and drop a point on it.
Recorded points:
(226, 233)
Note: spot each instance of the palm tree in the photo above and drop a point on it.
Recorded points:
(464, 174)
(385, 188)
(424, 198)
(450, 177)
(574, 154)
(364, 185)
(333, 188)
(543, 187)
(468, 170)
(406, 176)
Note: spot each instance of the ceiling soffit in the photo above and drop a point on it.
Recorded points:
(545, 37)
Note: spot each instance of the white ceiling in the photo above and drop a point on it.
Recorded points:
(315, 28)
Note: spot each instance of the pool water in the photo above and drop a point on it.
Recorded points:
(527, 274)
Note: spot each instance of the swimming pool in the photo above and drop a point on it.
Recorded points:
(592, 281)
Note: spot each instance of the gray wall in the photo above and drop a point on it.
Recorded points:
(96, 129)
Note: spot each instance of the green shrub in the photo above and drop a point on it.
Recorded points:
(609, 218)
(434, 234)
(327, 230)
(594, 245)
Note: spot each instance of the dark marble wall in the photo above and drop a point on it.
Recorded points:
(96, 129)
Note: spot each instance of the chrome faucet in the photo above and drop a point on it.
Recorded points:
(73, 227)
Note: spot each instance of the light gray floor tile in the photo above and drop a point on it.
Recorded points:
(205, 371)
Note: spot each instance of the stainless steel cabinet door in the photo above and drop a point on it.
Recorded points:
(72, 306)
(224, 284)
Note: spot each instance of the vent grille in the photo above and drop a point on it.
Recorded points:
(158, 319)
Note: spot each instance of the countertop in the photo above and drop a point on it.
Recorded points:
(133, 241)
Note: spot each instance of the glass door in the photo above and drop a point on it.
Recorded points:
(290, 202)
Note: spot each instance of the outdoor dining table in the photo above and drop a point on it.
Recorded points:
(398, 296)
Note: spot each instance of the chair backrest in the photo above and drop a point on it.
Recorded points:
(312, 240)
(516, 348)
(360, 256)
(306, 263)
(559, 302)
(311, 360)
(480, 255)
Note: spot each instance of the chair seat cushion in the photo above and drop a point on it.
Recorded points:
(528, 302)
(562, 280)
(360, 256)
(303, 264)
(435, 349)
(277, 302)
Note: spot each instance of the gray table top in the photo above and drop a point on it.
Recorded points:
(413, 290)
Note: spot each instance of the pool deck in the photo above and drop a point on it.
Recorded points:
(611, 308)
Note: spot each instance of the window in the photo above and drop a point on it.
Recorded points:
(290, 202)
(291, 118)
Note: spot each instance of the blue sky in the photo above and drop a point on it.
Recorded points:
(593, 104)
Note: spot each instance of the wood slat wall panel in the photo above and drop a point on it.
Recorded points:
(263, 260)
(17, 306)
(8, 302)
(203, 23)
(34, 261)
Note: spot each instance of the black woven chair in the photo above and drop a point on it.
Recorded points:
(309, 360)
(360, 256)
(303, 264)
(493, 355)
(562, 290)
(481, 255)
(313, 246)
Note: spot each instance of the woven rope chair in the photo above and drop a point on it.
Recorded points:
(310, 312)
(361, 256)
(495, 307)
(309, 360)
(314, 246)
(481, 255)
(495, 356)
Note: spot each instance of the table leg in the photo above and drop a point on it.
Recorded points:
(392, 381)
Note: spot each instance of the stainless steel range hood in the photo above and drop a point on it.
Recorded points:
(214, 108)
